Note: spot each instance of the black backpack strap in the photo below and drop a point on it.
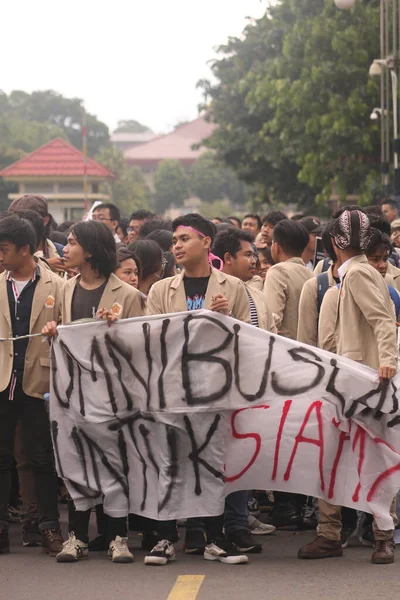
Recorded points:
(326, 264)
(322, 287)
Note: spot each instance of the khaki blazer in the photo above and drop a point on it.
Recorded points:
(327, 330)
(307, 330)
(394, 272)
(46, 306)
(365, 320)
(256, 282)
(168, 295)
(265, 318)
(124, 300)
(282, 289)
(319, 266)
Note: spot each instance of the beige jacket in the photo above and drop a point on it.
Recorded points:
(307, 330)
(124, 300)
(265, 318)
(365, 325)
(282, 289)
(394, 272)
(46, 306)
(327, 332)
(168, 295)
(256, 282)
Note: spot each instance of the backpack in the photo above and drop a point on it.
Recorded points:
(322, 287)
(326, 264)
(395, 299)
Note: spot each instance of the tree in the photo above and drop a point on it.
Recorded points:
(209, 180)
(131, 126)
(293, 98)
(53, 109)
(170, 185)
(129, 190)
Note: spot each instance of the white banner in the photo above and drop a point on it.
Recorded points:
(164, 416)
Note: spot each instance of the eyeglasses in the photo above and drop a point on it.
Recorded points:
(101, 219)
(132, 229)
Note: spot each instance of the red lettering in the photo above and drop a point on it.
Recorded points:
(344, 437)
(359, 436)
(243, 436)
(316, 442)
(385, 475)
(285, 411)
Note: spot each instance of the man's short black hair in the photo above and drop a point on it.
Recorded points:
(65, 226)
(36, 221)
(124, 224)
(389, 201)
(236, 219)
(149, 255)
(162, 237)
(378, 240)
(379, 222)
(141, 215)
(115, 215)
(291, 236)
(97, 239)
(254, 216)
(153, 224)
(230, 241)
(196, 221)
(18, 231)
(274, 217)
(326, 237)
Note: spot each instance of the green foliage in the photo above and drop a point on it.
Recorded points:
(129, 190)
(209, 180)
(293, 99)
(131, 126)
(170, 185)
(217, 208)
(54, 111)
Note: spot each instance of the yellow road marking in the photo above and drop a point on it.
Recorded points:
(186, 587)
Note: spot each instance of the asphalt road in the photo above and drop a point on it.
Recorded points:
(28, 574)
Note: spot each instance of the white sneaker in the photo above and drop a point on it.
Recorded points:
(118, 550)
(73, 550)
(257, 527)
(162, 553)
(225, 553)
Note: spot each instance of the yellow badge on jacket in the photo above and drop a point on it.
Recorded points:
(116, 309)
(50, 302)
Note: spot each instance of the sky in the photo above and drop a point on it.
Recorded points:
(127, 59)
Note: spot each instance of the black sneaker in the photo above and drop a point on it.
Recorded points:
(99, 544)
(310, 521)
(366, 537)
(31, 535)
(4, 541)
(223, 551)
(195, 542)
(243, 541)
(346, 534)
(285, 516)
(162, 553)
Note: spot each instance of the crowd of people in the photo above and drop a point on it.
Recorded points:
(332, 285)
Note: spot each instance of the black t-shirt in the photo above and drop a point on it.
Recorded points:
(195, 290)
(85, 303)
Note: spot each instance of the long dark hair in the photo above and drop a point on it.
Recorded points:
(97, 239)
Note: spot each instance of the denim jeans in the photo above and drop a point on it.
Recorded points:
(236, 512)
(35, 428)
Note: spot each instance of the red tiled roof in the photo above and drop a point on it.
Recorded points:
(57, 158)
(175, 145)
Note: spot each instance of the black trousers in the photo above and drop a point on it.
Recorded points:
(35, 427)
(78, 523)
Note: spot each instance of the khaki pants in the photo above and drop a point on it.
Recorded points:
(330, 522)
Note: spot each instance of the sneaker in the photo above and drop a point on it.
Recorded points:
(73, 550)
(253, 506)
(321, 547)
(257, 527)
(31, 535)
(366, 536)
(346, 534)
(383, 553)
(286, 516)
(15, 514)
(99, 544)
(118, 550)
(52, 541)
(195, 542)
(243, 541)
(162, 553)
(310, 521)
(224, 551)
(4, 541)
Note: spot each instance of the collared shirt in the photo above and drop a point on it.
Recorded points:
(20, 303)
(343, 268)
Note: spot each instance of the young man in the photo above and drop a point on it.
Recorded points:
(96, 291)
(29, 297)
(198, 286)
(108, 214)
(365, 331)
(314, 228)
(252, 224)
(268, 225)
(136, 221)
(389, 210)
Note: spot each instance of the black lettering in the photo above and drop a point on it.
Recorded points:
(194, 455)
(164, 362)
(267, 366)
(297, 354)
(173, 468)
